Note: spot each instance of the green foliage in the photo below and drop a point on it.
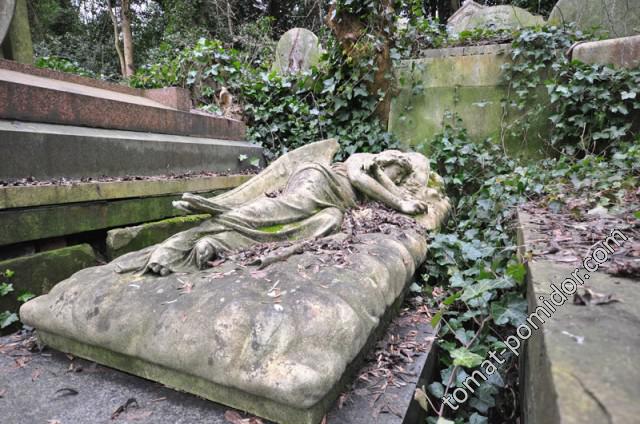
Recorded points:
(6, 318)
(474, 258)
(63, 65)
(591, 105)
(283, 112)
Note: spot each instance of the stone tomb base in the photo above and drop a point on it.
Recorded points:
(279, 343)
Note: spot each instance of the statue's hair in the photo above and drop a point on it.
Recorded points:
(416, 182)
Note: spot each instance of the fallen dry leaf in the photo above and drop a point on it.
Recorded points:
(234, 417)
(124, 407)
(590, 297)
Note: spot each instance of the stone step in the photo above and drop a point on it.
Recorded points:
(45, 151)
(30, 96)
(66, 210)
(581, 364)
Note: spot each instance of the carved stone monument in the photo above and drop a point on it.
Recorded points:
(15, 33)
(473, 15)
(298, 50)
(6, 14)
(620, 18)
(268, 306)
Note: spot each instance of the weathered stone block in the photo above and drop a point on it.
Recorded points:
(28, 400)
(6, 15)
(463, 81)
(38, 273)
(619, 52)
(620, 18)
(130, 239)
(33, 98)
(473, 15)
(62, 151)
(580, 366)
(226, 334)
(60, 194)
(17, 44)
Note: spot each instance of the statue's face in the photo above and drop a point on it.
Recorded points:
(395, 164)
(395, 172)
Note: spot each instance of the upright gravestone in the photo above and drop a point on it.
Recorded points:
(473, 15)
(298, 50)
(620, 18)
(6, 14)
(15, 39)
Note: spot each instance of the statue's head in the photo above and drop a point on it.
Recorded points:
(404, 168)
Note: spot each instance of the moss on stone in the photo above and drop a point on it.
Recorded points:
(130, 239)
(272, 228)
(38, 273)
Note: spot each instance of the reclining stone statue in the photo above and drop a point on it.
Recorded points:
(280, 342)
(311, 205)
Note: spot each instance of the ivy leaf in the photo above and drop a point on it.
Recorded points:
(451, 299)
(476, 418)
(255, 162)
(627, 95)
(436, 319)
(242, 158)
(8, 273)
(517, 271)
(5, 289)
(512, 308)
(436, 389)
(481, 287)
(25, 297)
(637, 214)
(7, 318)
(465, 358)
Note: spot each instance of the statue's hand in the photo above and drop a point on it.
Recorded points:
(412, 207)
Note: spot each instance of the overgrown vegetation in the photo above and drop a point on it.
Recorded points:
(591, 105)
(7, 318)
(473, 271)
(482, 299)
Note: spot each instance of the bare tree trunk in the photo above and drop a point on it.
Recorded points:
(230, 20)
(116, 38)
(350, 31)
(127, 37)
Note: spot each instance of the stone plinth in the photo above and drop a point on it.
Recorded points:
(620, 52)
(35, 98)
(279, 343)
(101, 390)
(581, 366)
(467, 81)
(47, 151)
(38, 212)
(38, 273)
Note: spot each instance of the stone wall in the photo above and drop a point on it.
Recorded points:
(49, 232)
(467, 81)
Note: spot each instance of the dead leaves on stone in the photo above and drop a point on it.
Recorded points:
(571, 234)
(234, 417)
(388, 362)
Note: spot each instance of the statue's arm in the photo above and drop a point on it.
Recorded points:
(361, 179)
